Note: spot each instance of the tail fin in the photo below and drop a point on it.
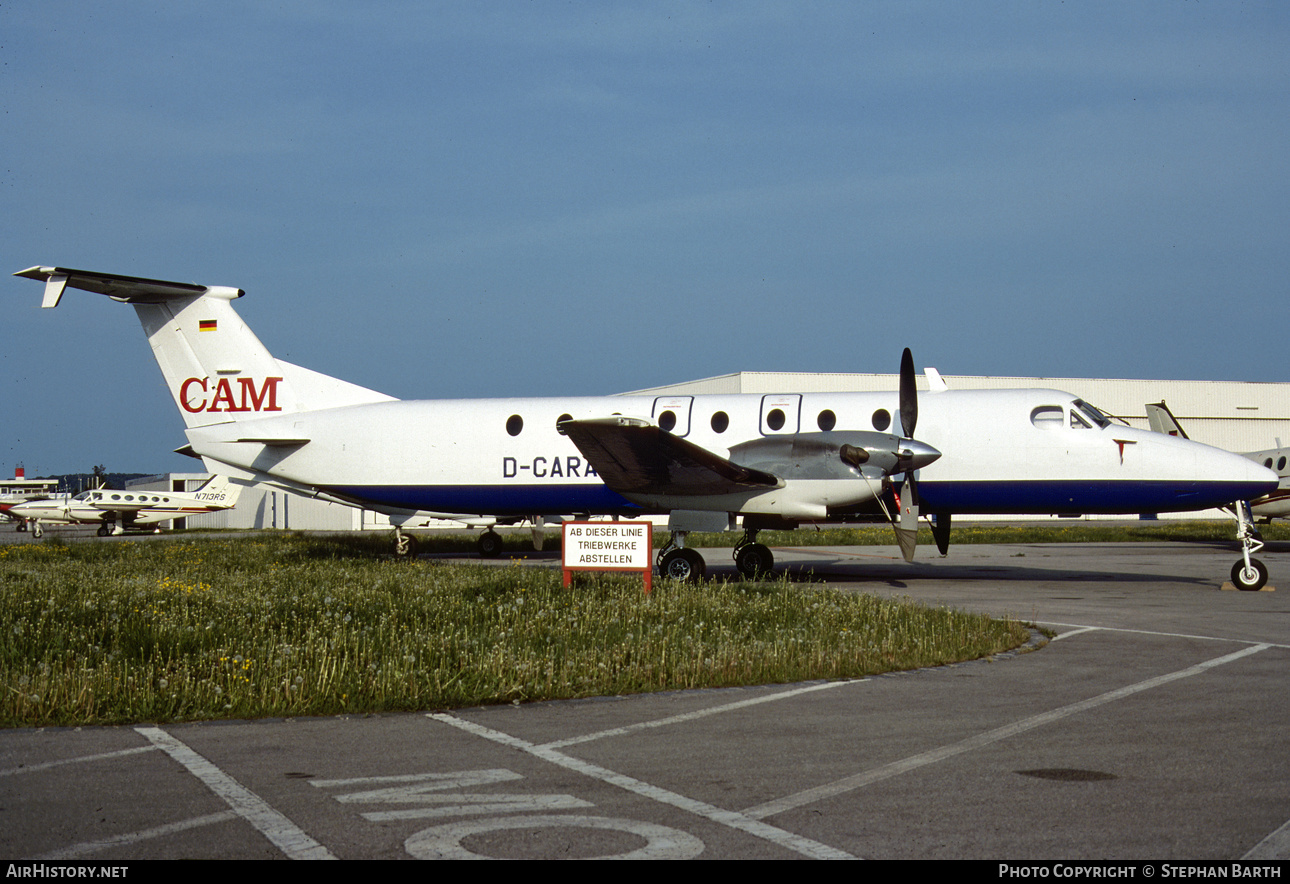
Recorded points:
(218, 489)
(216, 368)
(1162, 420)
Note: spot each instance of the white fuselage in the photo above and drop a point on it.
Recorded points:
(1003, 451)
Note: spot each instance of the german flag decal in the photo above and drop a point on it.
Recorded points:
(206, 325)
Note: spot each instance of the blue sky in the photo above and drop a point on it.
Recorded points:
(530, 199)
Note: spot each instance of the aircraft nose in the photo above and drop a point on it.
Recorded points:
(1246, 479)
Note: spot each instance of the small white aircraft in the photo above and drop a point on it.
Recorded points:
(116, 511)
(775, 460)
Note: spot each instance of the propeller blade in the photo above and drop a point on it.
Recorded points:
(941, 532)
(908, 395)
(907, 526)
(906, 523)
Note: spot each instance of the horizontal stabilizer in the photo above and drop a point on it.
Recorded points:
(275, 441)
(127, 289)
(634, 456)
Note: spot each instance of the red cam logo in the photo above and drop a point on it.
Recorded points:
(196, 395)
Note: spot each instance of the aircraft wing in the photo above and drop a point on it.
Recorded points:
(633, 455)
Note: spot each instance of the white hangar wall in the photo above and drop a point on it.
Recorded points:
(1235, 415)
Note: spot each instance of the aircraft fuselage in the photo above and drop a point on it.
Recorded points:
(1002, 451)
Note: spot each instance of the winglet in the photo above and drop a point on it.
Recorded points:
(55, 285)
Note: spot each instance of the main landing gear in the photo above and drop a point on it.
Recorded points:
(405, 545)
(675, 562)
(1248, 573)
(490, 544)
(754, 560)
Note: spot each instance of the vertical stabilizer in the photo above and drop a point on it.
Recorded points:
(215, 367)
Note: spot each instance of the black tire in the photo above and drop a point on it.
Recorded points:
(405, 546)
(754, 561)
(490, 544)
(683, 564)
(1249, 582)
(104, 530)
(37, 531)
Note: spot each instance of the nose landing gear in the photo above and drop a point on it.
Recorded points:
(1248, 574)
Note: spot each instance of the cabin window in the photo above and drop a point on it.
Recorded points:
(720, 422)
(1268, 463)
(667, 421)
(775, 419)
(514, 424)
(881, 419)
(1048, 417)
(827, 420)
(1281, 463)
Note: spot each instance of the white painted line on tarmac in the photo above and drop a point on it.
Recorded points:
(1275, 846)
(89, 848)
(732, 819)
(895, 768)
(1077, 631)
(102, 756)
(1207, 638)
(281, 832)
(698, 713)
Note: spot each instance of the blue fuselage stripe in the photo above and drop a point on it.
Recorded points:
(1107, 496)
(502, 500)
(1037, 497)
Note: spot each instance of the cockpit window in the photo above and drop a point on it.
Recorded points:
(1048, 417)
(1091, 413)
(1078, 423)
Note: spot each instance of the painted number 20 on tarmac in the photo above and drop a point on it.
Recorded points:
(438, 796)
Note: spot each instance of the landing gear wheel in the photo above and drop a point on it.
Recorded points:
(37, 530)
(1249, 579)
(405, 546)
(104, 530)
(754, 561)
(22, 525)
(490, 544)
(683, 564)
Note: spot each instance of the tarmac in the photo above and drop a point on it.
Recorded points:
(1151, 727)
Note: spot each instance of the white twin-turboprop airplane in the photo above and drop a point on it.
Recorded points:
(776, 460)
(116, 511)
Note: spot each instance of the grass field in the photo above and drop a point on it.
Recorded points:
(284, 625)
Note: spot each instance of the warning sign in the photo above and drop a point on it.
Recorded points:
(608, 546)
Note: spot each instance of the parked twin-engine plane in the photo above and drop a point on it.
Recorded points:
(117, 511)
(776, 460)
